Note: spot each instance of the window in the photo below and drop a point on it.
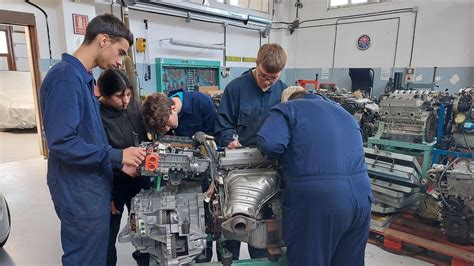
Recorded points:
(3, 42)
(13, 49)
(343, 3)
(257, 5)
(7, 58)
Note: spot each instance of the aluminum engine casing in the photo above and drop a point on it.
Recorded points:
(409, 116)
(168, 224)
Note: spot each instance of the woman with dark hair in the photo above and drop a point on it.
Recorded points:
(123, 124)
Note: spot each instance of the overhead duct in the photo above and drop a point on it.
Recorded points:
(194, 44)
(200, 10)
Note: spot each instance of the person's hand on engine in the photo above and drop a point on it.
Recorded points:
(234, 144)
(129, 170)
(133, 156)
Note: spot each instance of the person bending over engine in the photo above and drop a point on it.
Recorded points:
(327, 204)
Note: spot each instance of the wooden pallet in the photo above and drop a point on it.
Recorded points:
(411, 229)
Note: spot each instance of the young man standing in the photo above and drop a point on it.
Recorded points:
(247, 99)
(244, 105)
(80, 160)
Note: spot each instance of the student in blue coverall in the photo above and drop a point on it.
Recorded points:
(123, 123)
(326, 210)
(80, 160)
(182, 113)
(243, 108)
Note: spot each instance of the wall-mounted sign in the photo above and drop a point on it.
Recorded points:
(364, 41)
(80, 23)
(233, 58)
(249, 59)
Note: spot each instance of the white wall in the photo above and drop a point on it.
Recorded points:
(444, 35)
(240, 42)
(68, 40)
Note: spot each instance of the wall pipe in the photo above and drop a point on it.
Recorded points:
(229, 23)
(377, 13)
(413, 38)
(224, 23)
(362, 21)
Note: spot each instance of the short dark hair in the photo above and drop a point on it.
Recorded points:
(113, 80)
(297, 95)
(110, 25)
(156, 112)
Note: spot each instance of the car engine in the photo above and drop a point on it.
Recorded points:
(409, 115)
(202, 194)
(463, 125)
(452, 186)
(364, 110)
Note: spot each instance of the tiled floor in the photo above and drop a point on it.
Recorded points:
(34, 239)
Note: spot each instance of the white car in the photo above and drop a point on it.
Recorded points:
(5, 221)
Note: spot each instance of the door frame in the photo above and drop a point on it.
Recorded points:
(28, 20)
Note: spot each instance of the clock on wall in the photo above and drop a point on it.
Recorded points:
(363, 42)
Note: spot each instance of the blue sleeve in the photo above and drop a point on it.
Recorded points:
(208, 115)
(62, 115)
(274, 135)
(226, 118)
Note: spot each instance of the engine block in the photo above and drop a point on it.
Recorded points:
(409, 115)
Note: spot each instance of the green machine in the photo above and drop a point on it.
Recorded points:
(173, 74)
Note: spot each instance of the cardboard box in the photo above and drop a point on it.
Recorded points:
(210, 90)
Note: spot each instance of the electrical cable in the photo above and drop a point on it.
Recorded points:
(439, 183)
(465, 140)
(47, 30)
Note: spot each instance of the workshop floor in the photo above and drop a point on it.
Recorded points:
(34, 239)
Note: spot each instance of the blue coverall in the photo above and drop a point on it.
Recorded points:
(243, 109)
(79, 163)
(327, 196)
(197, 113)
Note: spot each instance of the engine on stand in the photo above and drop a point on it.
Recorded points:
(169, 222)
(452, 186)
(173, 221)
(409, 115)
